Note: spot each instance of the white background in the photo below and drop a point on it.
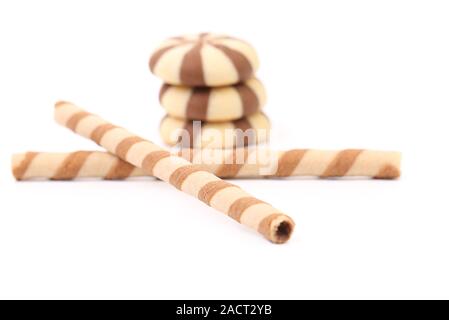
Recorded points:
(339, 74)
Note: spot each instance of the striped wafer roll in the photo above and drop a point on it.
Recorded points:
(204, 60)
(223, 163)
(250, 130)
(213, 104)
(182, 174)
(74, 165)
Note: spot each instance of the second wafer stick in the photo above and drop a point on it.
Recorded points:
(237, 163)
(192, 179)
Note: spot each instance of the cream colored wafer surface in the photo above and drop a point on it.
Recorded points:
(237, 163)
(204, 60)
(250, 130)
(213, 104)
(182, 174)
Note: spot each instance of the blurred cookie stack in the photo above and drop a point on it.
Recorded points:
(210, 91)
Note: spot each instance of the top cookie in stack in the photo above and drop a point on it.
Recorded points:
(210, 78)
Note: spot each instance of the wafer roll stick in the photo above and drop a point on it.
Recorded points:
(189, 178)
(224, 163)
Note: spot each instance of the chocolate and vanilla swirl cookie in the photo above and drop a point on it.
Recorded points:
(204, 60)
(213, 104)
(250, 130)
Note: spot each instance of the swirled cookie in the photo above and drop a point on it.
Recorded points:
(213, 104)
(249, 130)
(204, 60)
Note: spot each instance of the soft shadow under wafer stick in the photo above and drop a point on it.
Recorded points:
(252, 163)
(182, 174)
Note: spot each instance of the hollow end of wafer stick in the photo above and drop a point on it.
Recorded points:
(283, 232)
(277, 228)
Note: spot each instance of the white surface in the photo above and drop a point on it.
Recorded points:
(370, 74)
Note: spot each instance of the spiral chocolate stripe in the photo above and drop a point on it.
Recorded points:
(342, 163)
(124, 146)
(238, 207)
(230, 169)
(153, 158)
(289, 161)
(71, 166)
(208, 191)
(73, 122)
(100, 131)
(19, 169)
(178, 177)
(121, 170)
(388, 171)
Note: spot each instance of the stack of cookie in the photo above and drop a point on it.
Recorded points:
(210, 91)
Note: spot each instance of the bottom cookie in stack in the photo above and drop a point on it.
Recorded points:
(249, 130)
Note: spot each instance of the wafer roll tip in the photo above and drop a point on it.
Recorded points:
(20, 163)
(277, 228)
(393, 169)
(15, 160)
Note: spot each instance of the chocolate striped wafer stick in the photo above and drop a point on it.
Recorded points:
(182, 174)
(223, 163)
